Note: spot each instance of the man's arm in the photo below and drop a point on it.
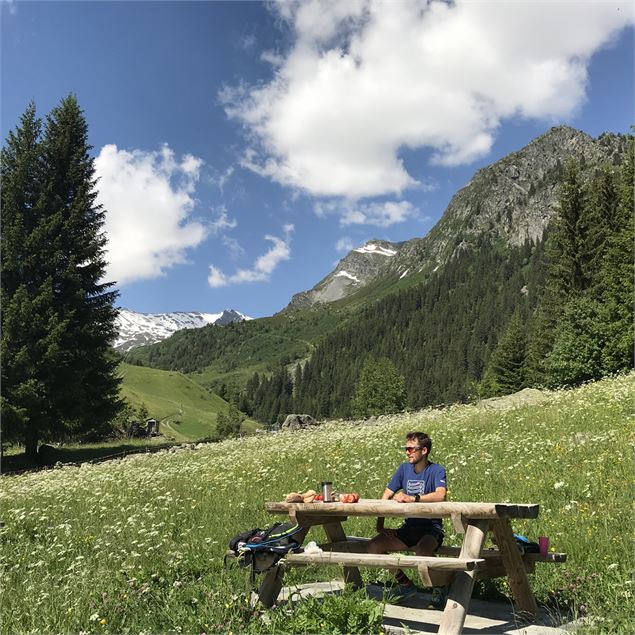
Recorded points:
(438, 496)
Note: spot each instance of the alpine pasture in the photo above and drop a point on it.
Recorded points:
(137, 545)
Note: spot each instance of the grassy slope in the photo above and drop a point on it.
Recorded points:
(137, 545)
(172, 397)
(249, 347)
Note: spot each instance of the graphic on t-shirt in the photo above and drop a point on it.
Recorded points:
(415, 487)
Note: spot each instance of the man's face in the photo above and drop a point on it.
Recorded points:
(414, 452)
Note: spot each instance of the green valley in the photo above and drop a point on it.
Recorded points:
(186, 410)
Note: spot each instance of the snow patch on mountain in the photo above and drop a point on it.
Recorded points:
(372, 248)
(139, 329)
(346, 275)
(404, 274)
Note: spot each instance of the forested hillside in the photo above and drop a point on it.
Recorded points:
(439, 335)
(495, 319)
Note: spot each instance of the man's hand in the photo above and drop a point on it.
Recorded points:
(400, 497)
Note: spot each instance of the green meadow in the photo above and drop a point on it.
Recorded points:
(187, 411)
(136, 545)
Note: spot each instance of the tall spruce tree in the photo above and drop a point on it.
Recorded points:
(566, 269)
(58, 317)
(617, 273)
(380, 389)
(507, 369)
(28, 342)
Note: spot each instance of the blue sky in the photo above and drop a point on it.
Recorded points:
(243, 148)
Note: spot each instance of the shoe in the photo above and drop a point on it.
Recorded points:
(439, 598)
(400, 592)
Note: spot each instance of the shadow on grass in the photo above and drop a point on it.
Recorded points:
(49, 455)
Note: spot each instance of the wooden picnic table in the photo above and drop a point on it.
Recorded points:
(467, 563)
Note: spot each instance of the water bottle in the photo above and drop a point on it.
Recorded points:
(327, 489)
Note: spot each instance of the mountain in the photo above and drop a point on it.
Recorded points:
(436, 305)
(140, 329)
(509, 202)
(360, 267)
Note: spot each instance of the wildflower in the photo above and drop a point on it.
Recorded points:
(103, 621)
(558, 485)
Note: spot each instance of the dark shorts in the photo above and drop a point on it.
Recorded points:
(410, 535)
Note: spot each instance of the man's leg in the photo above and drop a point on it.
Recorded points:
(388, 542)
(427, 546)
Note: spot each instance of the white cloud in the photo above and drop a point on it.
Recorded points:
(262, 268)
(221, 178)
(148, 201)
(366, 78)
(222, 221)
(235, 250)
(379, 214)
(344, 244)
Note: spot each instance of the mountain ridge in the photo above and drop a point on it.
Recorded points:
(511, 200)
(140, 329)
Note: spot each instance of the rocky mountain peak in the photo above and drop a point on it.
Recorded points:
(510, 201)
(359, 267)
(139, 329)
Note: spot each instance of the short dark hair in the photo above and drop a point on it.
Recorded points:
(421, 438)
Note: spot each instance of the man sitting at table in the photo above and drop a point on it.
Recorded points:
(416, 481)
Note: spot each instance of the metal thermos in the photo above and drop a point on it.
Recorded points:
(327, 490)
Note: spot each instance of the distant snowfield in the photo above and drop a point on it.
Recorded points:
(139, 329)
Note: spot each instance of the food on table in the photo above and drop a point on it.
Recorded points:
(309, 496)
(293, 497)
(351, 497)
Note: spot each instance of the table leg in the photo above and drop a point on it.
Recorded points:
(270, 588)
(335, 533)
(461, 587)
(514, 567)
(271, 585)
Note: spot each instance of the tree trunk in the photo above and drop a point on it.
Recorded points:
(30, 448)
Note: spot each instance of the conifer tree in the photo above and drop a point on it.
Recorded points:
(380, 389)
(617, 273)
(566, 270)
(508, 362)
(28, 339)
(66, 383)
(579, 339)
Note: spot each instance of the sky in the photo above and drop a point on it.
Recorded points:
(243, 148)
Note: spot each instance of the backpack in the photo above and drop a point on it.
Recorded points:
(525, 545)
(262, 548)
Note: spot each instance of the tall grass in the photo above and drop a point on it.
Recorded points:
(137, 545)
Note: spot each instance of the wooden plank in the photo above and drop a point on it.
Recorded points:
(496, 554)
(460, 591)
(459, 522)
(392, 560)
(516, 574)
(347, 546)
(335, 532)
(424, 575)
(308, 520)
(375, 507)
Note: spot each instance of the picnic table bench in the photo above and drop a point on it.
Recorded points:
(457, 567)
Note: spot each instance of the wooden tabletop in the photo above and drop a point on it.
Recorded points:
(376, 507)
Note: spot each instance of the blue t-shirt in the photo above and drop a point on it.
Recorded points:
(424, 482)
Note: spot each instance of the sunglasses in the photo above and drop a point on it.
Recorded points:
(409, 449)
